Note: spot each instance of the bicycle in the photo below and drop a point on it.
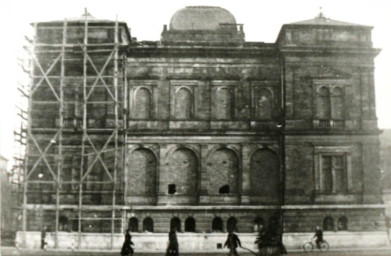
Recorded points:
(309, 246)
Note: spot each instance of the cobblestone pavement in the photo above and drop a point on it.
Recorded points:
(9, 251)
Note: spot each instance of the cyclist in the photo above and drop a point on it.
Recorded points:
(319, 236)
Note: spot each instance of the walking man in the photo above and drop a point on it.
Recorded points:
(232, 243)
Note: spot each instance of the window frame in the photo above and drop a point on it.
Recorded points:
(345, 152)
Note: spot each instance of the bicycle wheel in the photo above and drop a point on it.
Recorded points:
(308, 247)
(324, 246)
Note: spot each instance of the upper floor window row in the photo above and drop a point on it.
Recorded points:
(223, 103)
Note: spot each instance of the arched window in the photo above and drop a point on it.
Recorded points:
(190, 225)
(142, 104)
(223, 104)
(232, 224)
(337, 106)
(148, 224)
(274, 225)
(133, 224)
(263, 105)
(217, 225)
(175, 223)
(342, 223)
(183, 104)
(323, 104)
(258, 223)
(328, 224)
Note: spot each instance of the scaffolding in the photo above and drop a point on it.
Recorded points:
(74, 130)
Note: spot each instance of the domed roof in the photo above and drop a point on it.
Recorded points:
(201, 18)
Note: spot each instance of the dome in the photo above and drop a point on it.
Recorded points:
(201, 18)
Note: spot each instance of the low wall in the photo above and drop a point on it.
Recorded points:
(192, 242)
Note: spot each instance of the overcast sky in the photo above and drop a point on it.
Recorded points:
(262, 21)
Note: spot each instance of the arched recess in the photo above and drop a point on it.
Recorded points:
(148, 224)
(183, 104)
(263, 104)
(142, 104)
(342, 224)
(175, 223)
(217, 225)
(183, 171)
(190, 224)
(337, 104)
(223, 104)
(265, 175)
(223, 170)
(323, 109)
(328, 223)
(133, 224)
(141, 174)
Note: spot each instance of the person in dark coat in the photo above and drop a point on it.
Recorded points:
(232, 243)
(127, 249)
(173, 247)
(261, 237)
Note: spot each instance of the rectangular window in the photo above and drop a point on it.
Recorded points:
(333, 174)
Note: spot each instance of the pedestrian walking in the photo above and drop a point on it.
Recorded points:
(232, 243)
(127, 249)
(173, 247)
(43, 238)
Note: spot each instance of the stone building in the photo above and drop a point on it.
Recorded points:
(202, 131)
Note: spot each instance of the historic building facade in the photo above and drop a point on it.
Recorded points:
(204, 132)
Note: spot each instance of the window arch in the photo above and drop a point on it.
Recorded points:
(263, 105)
(183, 104)
(337, 105)
(217, 225)
(175, 223)
(190, 224)
(133, 224)
(224, 104)
(232, 224)
(323, 103)
(142, 103)
(328, 224)
(342, 224)
(148, 224)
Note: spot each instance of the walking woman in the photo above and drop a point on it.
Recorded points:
(127, 249)
(173, 247)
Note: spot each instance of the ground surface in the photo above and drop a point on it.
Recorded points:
(10, 251)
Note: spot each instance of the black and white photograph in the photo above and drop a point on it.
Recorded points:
(195, 127)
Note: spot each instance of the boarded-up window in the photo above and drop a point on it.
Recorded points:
(323, 104)
(183, 104)
(224, 164)
(337, 106)
(141, 173)
(263, 105)
(183, 171)
(265, 175)
(223, 104)
(142, 104)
